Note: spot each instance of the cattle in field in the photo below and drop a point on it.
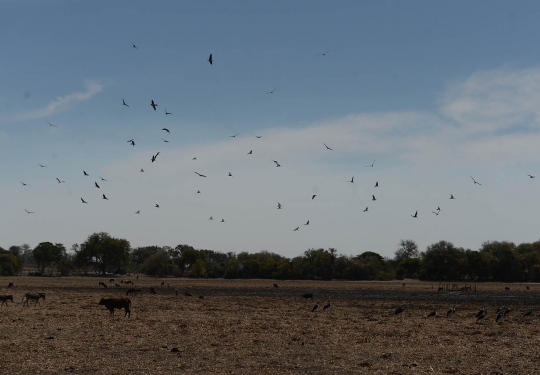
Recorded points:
(308, 296)
(152, 290)
(102, 284)
(111, 281)
(133, 291)
(34, 297)
(128, 282)
(6, 298)
(117, 303)
(10, 285)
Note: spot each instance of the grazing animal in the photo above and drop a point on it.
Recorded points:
(117, 303)
(433, 313)
(276, 286)
(10, 285)
(315, 307)
(308, 296)
(133, 292)
(188, 294)
(34, 297)
(6, 298)
(102, 285)
(152, 290)
(111, 280)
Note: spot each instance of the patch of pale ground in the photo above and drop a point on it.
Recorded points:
(251, 327)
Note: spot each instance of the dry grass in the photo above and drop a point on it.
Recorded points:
(249, 327)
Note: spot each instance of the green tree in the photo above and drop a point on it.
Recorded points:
(406, 249)
(104, 250)
(443, 261)
(46, 254)
(159, 264)
(9, 264)
(198, 269)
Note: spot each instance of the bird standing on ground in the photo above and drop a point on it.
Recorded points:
(326, 306)
(315, 307)
(399, 310)
(433, 313)
(451, 311)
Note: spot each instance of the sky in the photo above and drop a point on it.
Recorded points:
(436, 93)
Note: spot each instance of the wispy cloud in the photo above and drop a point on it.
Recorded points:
(60, 104)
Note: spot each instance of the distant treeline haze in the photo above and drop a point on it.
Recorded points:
(101, 253)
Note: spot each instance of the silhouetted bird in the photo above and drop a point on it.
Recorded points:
(51, 124)
(279, 206)
(154, 105)
(438, 208)
(200, 175)
(373, 198)
(164, 140)
(415, 215)
(138, 212)
(142, 170)
(315, 307)
(366, 210)
(29, 212)
(271, 92)
(211, 218)
(230, 175)
(277, 164)
(327, 147)
(222, 220)
(371, 164)
(132, 142)
(84, 201)
(104, 197)
(95, 183)
(157, 205)
(436, 213)
(530, 176)
(250, 152)
(313, 196)
(84, 172)
(167, 130)
(24, 184)
(377, 184)
(124, 103)
(57, 179)
(258, 136)
(352, 180)
(198, 192)
(296, 229)
(167, 113)
(42, 166)
(233, 136)
(134, 46)
(307, 223)
(323, 54)
(475, 181)
(210, 60)
(102, 179)
(452, 197)
(276, 286)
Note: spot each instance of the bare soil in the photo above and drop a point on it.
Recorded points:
(251, 327)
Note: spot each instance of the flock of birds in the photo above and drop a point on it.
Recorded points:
(154, 157)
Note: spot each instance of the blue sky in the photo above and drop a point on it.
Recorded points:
(435, 92)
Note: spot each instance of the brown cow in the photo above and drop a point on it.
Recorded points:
(33, 296)
(117, 303)
(102, 285)
(6, 298)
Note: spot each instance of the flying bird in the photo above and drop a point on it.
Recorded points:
(373, 198)
(307, 223)
(296, 230)
(415, 215)
(210, 60)
(250, 152)
(134, 46)
(327, 147)
(154, 105)
(271, 92)
(42, 166)
(51, 124)
(167, 113)
(476, 181)
(164, 140)
(452, 196)
(84, 172)
(102, 179)
(57, 179)
(29, 212)
(313, 196)
(438, 208)
(195, 158)
(277, 164)
(352, 180)
(157, 205)
(124, 103)
(376, 184)
(198, 192)
(323, 54)
(279, 206)
(95, 183)
(230, 175)
(142, 170)
(84, 201)
(371, 164)
(138, 212)
(436, 213)
(211, 218)
(167, 130)
(200, 175)
(366, 210)
(258, 136)
(530, 176)
(132, 142)
(233, 136)
(104, 197)
(24, 184)
(222, 220)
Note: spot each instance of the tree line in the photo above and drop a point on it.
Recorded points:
(101, 253)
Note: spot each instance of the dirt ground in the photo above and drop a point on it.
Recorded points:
(252, 327)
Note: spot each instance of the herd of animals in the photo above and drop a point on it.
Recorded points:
(125, 303)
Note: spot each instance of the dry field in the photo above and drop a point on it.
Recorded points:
(250, 327)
